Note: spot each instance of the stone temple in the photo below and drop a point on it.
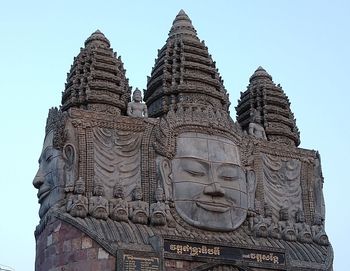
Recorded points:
(175, 183)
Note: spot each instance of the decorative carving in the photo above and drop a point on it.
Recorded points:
(251, 189)
(118, 206)
(98, 205)
(117, 158)
(136, 108)
(78, 204)
(158, 215)
(318, 188)
(318, 233)
(282, 183)
(138, 209)
(302, 229)
(286, 226)
(255, 128)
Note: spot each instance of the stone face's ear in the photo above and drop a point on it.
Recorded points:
(165, 176)
(69, 154)
(70, 157)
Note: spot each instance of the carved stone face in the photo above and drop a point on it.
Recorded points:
(159, 195)
(49, 179)
(137, 96)
(118, 191)
(79, 187)
(208, 183)
(98, 190)
(137, 193)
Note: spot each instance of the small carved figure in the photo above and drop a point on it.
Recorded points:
(264, 225)
(255, 128)
(318, 233)
(259, 226)
(98, 205)
(77, 204)
(286, 226)
(302, 229)
(138, 209)
(158, 209)
(118, 206)
(136, 108)
(273, 229)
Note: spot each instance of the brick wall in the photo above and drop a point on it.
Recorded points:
(61, 247)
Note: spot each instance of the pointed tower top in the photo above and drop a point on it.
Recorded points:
(182, 25)
(260, 73)
(96, 80)
(97, 38)
(272, 104)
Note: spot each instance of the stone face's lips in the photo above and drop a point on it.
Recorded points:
(214, 206)
(43, 192)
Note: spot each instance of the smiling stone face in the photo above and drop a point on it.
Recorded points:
(208, 183)
(49, 179)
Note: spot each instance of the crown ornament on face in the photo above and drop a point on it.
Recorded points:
(55, 123)
(192, 118)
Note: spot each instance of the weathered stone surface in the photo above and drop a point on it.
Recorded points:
(184, 189)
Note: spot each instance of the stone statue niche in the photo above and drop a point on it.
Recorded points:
(138, 209)
(77, 204)
(286, 226)
(136, 108)
(205, 180)
(264, 226)
(118, 206)
(302, 229)
(255, 128)
(98, 205)
(318, 233)
(158, 214)
(57, 163)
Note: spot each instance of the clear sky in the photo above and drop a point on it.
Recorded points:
(304, 45)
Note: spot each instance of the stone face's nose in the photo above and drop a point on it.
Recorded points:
(214, 190)
(38, 180)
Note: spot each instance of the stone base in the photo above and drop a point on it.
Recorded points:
(62, 247)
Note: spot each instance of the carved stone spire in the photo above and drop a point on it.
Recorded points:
(97, 79)
(182, 25)
(184, 74)
(273, 106)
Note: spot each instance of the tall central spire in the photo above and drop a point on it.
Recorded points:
(184, 74)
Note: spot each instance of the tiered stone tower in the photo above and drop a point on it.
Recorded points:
(273, 106)
(184, 187)
(185, 73)
(97, 79)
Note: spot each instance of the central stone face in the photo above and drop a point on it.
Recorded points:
(208, 183)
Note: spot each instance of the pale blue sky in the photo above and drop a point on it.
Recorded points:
(304, 45)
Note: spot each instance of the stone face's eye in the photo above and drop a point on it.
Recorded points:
(228, 173)
(193, 167)
(49, 157)
(195, 173)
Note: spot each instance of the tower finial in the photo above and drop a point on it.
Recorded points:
(182, 25)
